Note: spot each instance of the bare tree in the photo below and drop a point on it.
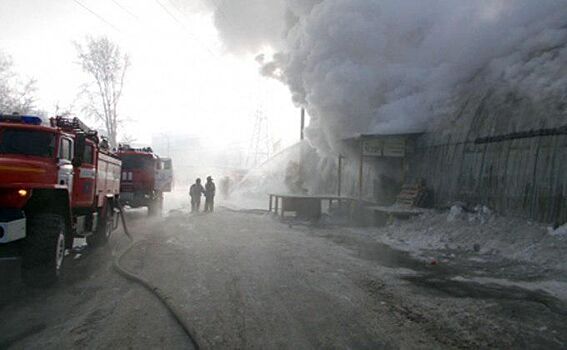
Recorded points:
(16, 95)
(107, 65)
(128, 139)
(64, 111)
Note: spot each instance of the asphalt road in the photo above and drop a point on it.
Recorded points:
(245, 280)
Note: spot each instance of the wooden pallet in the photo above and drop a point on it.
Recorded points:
(407, 204)
(411, 195)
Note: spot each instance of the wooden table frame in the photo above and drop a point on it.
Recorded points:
(274, 203)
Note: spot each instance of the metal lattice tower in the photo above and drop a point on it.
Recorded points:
(260, 142)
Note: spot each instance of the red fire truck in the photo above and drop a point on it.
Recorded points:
(57, 182)
(145, 178)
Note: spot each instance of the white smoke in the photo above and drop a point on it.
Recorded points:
(370, 66)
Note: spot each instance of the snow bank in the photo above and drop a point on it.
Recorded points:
(560, 231)
(512, 238)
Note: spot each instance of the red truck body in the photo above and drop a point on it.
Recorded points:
(142, 184)
(57, 182)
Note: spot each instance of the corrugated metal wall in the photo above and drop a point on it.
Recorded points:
(524, 176)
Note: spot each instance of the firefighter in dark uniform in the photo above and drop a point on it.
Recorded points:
(210, 190)
(195, 192)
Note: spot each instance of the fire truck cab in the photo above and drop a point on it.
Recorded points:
(57, 182)
(145, 178)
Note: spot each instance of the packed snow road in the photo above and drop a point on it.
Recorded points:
(246, 280)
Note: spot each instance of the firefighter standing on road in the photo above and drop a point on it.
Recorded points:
(210, 190)
(195, 192)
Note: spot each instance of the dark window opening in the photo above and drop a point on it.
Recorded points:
(88, 155)
(137, 162)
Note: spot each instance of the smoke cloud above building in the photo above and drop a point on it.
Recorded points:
(377, 66)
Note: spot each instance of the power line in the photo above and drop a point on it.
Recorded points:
(206, 47)
(193, 37)
(126, 10)
(97, 15)
(168, 12)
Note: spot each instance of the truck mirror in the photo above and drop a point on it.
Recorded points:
(79, 151)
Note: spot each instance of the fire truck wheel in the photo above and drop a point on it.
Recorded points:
(103, 231)
(43, 250)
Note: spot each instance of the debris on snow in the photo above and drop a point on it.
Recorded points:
(512, 238)
(456, 213)
(481, 214)
(559, 231)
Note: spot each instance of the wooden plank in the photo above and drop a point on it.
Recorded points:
(396, 210)
(409, 195)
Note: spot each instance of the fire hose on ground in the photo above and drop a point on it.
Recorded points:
(155, 290)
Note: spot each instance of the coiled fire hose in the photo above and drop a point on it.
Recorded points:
(160, 294)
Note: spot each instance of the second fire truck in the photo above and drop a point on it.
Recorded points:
(145, 178)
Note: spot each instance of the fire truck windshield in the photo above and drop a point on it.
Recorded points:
(136, 162)
(27, 142)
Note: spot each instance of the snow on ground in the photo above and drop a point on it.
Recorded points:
(481, 230)
(560, 231)
(512, 238)
(532, 254)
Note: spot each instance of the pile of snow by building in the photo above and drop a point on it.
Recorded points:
(482, 232)
(560, 231)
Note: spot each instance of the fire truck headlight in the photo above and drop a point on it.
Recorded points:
(23, 193)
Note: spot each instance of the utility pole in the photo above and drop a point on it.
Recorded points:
(302, 134)
(340, 175)
(361, 168)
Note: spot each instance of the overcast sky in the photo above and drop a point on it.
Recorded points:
(180, 82)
